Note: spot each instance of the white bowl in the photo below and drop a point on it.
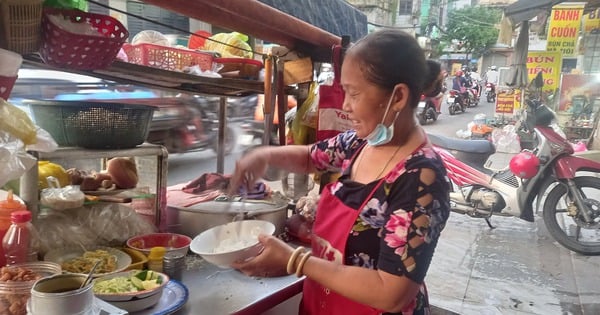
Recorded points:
(234, 241)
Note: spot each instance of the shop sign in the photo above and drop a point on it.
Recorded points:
(505, 102)
(586, 86)
(549, 64)
(591, 21)
(563, 32)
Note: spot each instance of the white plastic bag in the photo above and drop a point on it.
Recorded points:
(506, 140)
(61, 198)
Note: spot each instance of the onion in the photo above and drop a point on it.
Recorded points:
(123, 172)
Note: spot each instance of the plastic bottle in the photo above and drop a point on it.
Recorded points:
(7, 207)
(155, 258)
(21, 241)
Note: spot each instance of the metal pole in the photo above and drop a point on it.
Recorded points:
(221, 135)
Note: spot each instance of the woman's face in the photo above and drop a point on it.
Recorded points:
(364, 101)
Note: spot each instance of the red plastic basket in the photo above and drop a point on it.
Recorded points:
(6, 85)
(63, 48)
(167, 58)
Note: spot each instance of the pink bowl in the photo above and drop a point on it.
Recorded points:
(174, 243)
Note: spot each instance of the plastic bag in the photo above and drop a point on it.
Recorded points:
(14, 159)
(61, 198)
(16, 122)
(237, 40)
(506, 139)
(101, 224)
(300, 130)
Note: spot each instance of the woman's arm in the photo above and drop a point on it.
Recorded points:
(253, 165)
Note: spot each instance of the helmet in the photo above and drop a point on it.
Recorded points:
(524, 165)
(458, 73)
(493, 68)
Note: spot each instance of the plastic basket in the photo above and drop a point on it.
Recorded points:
(6, 85)
(77, 51)
(93, 125)
(167, 58)
(20, 24)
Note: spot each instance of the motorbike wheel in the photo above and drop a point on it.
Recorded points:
(432, 113)
(490, 98)
(451, 109)
(573, 232)
(423, 118)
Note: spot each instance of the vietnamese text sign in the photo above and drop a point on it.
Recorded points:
(505, 103)
(591, 21)
(549, 64)
(565, 22)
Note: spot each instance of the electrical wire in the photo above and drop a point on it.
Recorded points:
(174, 28)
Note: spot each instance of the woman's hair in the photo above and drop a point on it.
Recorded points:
(434, 78)
(388, 57)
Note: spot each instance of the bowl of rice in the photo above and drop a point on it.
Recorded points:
(234, 241)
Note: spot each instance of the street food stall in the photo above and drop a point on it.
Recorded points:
(201, 287)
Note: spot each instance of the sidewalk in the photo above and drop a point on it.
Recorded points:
(516, 268)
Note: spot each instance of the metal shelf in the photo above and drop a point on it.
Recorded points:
(29, 191)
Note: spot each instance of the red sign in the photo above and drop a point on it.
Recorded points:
(505, 103)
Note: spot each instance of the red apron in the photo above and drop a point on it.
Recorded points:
(331, 229)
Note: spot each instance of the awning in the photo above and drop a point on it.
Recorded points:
(525, 10)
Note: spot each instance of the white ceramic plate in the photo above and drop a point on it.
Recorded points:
(173, 297)
(64, 254)
(139, 295)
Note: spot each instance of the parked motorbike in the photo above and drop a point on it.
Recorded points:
(182, 126)
(571, 208)
(428, 108)
(490, 92)
(456, 102)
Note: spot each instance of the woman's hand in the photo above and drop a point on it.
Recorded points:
(271, 262)
(248, 169)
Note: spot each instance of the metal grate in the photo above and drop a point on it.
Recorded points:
(508, 178)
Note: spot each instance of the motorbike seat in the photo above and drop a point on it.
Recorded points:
(468, 146)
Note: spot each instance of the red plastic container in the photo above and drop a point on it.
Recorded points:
(63, 48)
(167, 58)
(6, 85)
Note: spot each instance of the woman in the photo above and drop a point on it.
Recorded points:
(376, 228)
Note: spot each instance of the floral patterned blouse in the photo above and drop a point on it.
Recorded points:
(393, 232)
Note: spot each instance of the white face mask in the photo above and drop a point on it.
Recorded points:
(382, 134)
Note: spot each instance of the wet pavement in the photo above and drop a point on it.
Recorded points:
(515, 268)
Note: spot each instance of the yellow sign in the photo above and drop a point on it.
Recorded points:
(565, 23)
(505, 102)
(549, 64)
(591, 21)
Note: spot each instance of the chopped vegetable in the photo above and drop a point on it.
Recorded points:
(136, 281)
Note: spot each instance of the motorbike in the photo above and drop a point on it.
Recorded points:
(456, 102)
(183, 126)
(490, 92)
(428, 108)
(564, 184)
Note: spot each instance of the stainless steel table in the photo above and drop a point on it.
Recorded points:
(216, 291)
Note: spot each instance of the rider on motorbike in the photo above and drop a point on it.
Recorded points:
(459, 83)
(492, 76)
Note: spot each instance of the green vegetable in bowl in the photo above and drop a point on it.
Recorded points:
(136, 281)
